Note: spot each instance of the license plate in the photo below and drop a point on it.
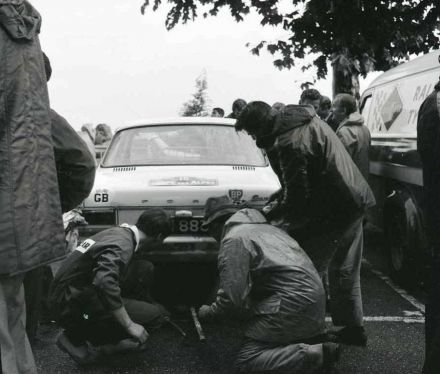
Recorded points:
(189, 226)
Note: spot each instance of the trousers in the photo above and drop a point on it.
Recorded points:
(262, 357)
(339, 252)
(16, 353)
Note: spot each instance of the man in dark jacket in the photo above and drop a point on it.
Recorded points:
(100, 296)
(323, 194)
(428, 145)
(31, 229)
(264, 270)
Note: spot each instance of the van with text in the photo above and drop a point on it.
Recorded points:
(390, 107)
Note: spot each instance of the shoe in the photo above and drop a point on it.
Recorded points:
(331, 353)
(349, 336)
(82, 354)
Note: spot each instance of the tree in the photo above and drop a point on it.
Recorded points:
(197, 106)
(356, 36)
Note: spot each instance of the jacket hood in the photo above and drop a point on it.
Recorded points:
(354, 119)
(19, 19)
(244, 216)
(293, 116)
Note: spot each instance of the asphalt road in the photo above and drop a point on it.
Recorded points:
(394, 323)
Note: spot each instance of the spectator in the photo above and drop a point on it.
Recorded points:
(31, 226)
(311, 97)
(103, 134)
(88, 134)
(261, 266)
(325, 106)
(323, 195)
(278, 106)
(428, 145)
(237, 106)
(218, 112)
(100, 293)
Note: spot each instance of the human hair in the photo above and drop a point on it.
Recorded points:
(325, 103)
(253, 116)
(346, 101)
(153, 222)
(310, 94)
(278, 107)
(238, 104)
(220, 111)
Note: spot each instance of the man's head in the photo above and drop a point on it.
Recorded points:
(218, 112)
(103, 133)
(343, 105)
(278, 107)
(154, 223)
(325, 106)
(312, 97)
(237, 107)
(257, 120)
(217, 211)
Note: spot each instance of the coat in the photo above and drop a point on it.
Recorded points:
(31, 227)
(96, 267)
(264, 268)
(428, 146)
(320, 182)
(356, 139)
(74, 162)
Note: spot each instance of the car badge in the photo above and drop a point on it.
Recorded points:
(236, 195)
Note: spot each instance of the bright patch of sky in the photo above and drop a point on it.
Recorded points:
(113, 65)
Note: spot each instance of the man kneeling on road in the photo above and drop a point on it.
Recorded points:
(100, 294)
(263, 268)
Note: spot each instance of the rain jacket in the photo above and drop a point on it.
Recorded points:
(263, 268)
(31, 228)
(356, 139)
(75, 164)
(97, 266)
(320, 182)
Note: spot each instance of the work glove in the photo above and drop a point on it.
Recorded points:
(205, 313)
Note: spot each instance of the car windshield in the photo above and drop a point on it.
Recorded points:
(183, 145)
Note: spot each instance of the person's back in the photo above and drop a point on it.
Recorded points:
(286, 288)
(356, 138)
(319, 176)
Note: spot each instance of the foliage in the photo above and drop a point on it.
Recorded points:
(197, 106)
(363, 35)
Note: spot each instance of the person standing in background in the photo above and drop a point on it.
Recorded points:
(31, 228)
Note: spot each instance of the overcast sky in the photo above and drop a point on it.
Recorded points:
(113, 65)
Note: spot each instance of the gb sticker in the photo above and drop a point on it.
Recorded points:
(85, 245)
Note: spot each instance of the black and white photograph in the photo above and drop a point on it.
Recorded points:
(220, 187)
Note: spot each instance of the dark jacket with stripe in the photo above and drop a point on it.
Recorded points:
(97, 266)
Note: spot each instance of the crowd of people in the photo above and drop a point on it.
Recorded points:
(276, 266)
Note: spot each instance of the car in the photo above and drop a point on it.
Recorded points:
(177, 164)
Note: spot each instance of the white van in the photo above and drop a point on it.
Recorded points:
(390, 107)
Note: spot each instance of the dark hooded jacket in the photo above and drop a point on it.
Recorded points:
(31, 228)
(428, 145)
(263, 268)
(356, 139)
(320, 182)
(74, 162)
